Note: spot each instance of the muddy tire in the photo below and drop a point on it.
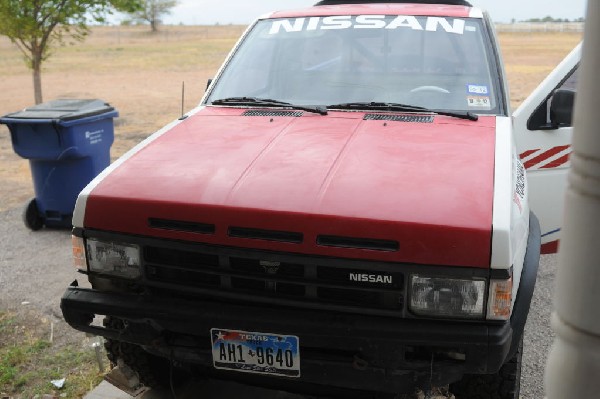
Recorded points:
(505, 384)
(153, 371)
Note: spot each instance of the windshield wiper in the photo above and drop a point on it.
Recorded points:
(381, 106)
(267, 102)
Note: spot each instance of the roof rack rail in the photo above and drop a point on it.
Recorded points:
(445, 2)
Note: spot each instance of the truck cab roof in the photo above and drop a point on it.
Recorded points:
(453, 9)
(448, 2)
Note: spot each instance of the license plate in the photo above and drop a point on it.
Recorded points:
(253, 352)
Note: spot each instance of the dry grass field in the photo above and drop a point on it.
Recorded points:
(141, 73)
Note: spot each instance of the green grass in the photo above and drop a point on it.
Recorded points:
(28, 363)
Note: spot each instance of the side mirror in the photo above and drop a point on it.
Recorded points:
(208, 83)
(561, 109)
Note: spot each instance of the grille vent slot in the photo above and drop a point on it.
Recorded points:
(191, 259)
(188, 268)
(268, 235)
(272, 113)
(399, 118)
(358, 243)
(177, 225)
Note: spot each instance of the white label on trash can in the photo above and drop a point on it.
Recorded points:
(94, 137)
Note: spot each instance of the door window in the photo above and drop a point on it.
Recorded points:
(540, 119)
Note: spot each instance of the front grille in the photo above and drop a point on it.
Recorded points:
(195, 260)
(187, 268)
(352, 277)
(298, 281)
(258, 267)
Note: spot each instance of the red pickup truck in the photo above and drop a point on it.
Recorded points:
(346, 210)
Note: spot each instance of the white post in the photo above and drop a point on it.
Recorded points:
(573, 369)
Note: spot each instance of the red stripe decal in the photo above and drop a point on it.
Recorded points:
(550, 247)
(557, 162)
(528, 153)
(542, 157)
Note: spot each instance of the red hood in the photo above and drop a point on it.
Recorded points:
(426, 186)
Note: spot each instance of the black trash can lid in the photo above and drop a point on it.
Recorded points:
(63, 110)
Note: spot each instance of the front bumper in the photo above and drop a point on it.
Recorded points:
(347, 351)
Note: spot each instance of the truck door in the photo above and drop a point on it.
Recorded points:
(543, 132)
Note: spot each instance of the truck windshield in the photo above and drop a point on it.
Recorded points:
(431, 62)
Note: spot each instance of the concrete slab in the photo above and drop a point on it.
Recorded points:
(106, 391)
(207, 389)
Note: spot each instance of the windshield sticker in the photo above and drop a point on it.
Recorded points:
(469, 28)
(430, 24)
(477, 89)
(478, 102)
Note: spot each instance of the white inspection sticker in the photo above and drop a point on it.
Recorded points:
(478, 101)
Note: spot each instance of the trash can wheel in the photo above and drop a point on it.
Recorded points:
(31, 216)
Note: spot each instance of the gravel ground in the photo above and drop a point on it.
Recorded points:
(34, 266)
(35, 269)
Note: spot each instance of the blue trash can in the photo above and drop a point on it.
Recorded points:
(67, 143)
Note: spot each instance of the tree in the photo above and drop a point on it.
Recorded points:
(152, 10)
(37, 26)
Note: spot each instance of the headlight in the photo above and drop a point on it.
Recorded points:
(115, 259)
(445, 297)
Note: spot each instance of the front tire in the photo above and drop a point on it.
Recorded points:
(505, 384)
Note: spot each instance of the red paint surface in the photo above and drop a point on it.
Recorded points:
(432, 10)
(427, 186)
(550, 247)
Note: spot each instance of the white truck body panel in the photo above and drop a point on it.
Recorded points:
(511, 210)
(545, 152)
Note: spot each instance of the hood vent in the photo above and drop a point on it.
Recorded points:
(273, 113)
(399, 118)
(267, 235)
(177, 225)
(358, 243)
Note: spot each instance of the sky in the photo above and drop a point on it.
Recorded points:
(209, 12)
